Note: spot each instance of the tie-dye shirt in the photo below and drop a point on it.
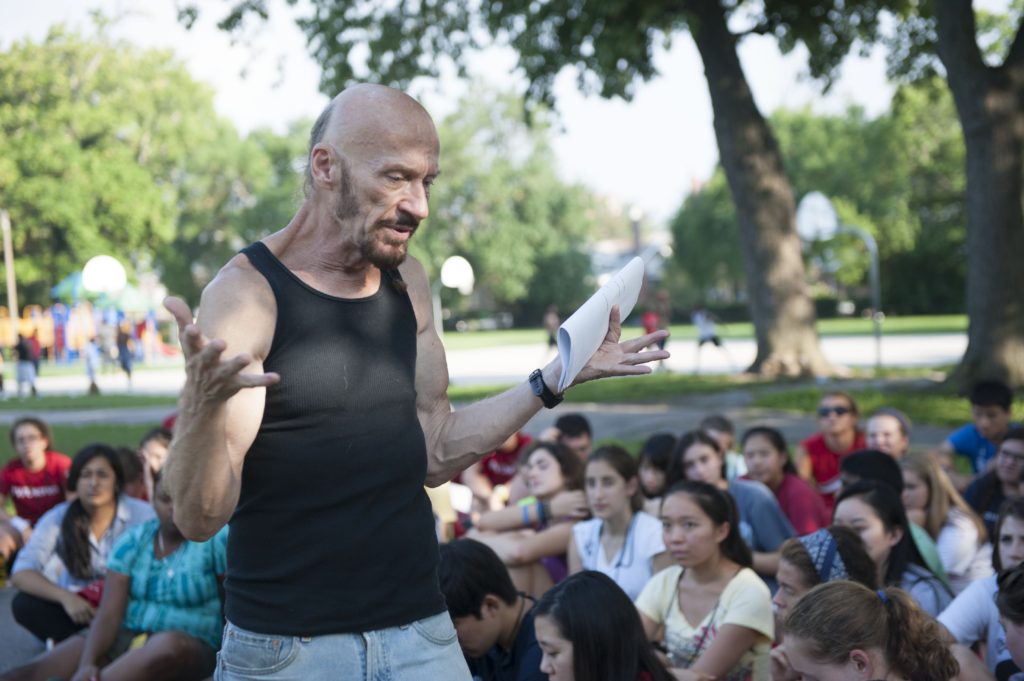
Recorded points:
(176, 593)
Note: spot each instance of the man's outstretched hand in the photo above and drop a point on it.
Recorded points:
(625, 358)
(209, 378)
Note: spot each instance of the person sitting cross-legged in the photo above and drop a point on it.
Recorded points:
(159, 585)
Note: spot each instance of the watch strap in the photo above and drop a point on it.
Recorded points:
(541, 390)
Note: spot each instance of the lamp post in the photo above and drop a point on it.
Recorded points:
(636, 214)
(816, 220)
(457, 273)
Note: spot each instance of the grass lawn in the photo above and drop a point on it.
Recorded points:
(66, 402)
(826, 327)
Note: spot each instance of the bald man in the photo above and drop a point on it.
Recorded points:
(315, 408)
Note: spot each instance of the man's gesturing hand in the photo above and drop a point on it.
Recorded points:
(621, 359)
(209, 378)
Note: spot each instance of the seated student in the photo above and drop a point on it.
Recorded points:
(888, 431)
(827, 555)
(818, 457)
(873, 510)
(723, 432)
(153, 450)
(712, 612)
(768, 462)
(972, 617)
(35, 481)
(844, 630)
(494, 622)
(488, 478)
(871, 464)
(588, 630)
(991, 403)
(135, 474)
(159, 585)
(532, 538)
(1010, 603)
(621, 540)
(988, 492)
(574, 431)
(571, 430)
(932, 502)
(762, 524)
(655, 455)
(59, 573)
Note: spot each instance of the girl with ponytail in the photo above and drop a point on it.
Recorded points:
(845, 631)
(59, 572)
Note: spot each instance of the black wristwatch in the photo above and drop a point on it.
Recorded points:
(541, 390)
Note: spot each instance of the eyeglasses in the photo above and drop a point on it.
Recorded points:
(823, 412)
(1012, 456)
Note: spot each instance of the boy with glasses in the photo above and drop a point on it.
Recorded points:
(988, 492)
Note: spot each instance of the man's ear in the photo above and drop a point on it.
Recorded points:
(321, 164)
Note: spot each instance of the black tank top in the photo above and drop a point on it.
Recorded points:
(333, 532)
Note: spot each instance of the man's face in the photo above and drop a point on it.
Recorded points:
(383, 192)
(991, 420)
(578, 444)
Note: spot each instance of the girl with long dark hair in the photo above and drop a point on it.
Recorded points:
(588, 630)
(873, 510)
(59, 573)
(710, 610)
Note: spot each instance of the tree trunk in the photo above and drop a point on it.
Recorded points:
(990, 105)
(781, 309)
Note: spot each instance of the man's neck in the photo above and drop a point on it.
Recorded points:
(318, 250)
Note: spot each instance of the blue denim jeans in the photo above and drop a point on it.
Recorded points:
(425, 650)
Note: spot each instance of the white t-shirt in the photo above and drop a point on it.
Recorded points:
(745, 602)
(973, 616)
(632, 565)
(962, 558)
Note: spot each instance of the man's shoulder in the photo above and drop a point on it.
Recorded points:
(413, 273)
(238, 301)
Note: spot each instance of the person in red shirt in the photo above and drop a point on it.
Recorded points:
(35, 482)
(488, 477)
(818, 457)
(767, 458)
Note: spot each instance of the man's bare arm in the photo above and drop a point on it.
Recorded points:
(221, 405)
(457, 439)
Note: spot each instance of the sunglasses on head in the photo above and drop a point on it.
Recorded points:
(838, 411)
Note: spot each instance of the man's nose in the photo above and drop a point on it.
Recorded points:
(415, 201)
